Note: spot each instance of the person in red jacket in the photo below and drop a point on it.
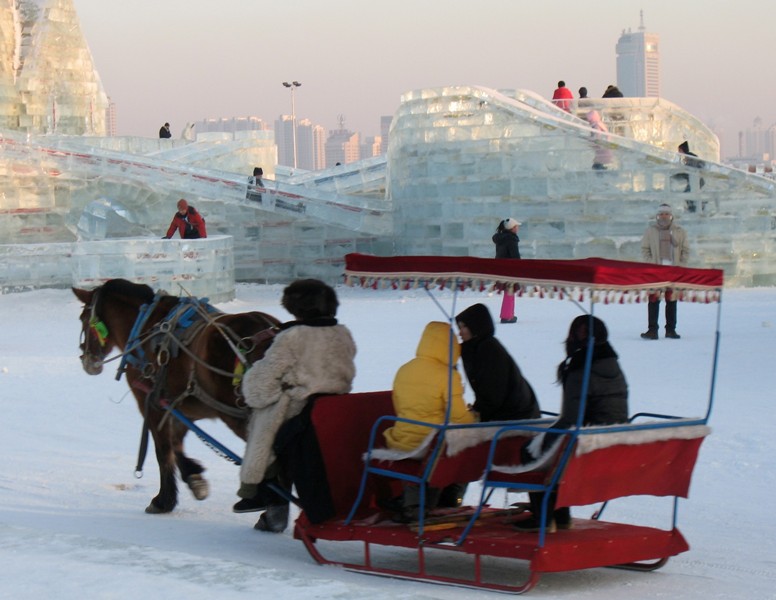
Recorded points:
(188, 222)
(562, 97)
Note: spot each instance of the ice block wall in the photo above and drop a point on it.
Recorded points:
(203, 268)
(461, 159)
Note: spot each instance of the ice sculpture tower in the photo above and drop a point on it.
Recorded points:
(48, 83)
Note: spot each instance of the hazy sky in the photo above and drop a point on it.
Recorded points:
(185, 60)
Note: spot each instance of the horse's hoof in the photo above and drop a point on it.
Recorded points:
(198, 486)
(152, 509)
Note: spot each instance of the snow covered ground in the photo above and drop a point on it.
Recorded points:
(71, 511)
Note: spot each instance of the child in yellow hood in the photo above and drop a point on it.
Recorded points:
(420, 388)
(421, 392)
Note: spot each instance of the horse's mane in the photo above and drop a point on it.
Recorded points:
(122, 287)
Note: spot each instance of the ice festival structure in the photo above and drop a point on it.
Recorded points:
(78, 207)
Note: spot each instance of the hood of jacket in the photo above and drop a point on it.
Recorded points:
(477, 318)
(435, 343)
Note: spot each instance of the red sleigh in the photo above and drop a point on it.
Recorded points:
(652, 455)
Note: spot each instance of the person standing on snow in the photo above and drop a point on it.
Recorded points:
(664, 243)
(507, 246)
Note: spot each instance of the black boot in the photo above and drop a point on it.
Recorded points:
(274, 519)
(263, 498)
(452, 495)
(653, 310)
(671, 320)
(533, 522)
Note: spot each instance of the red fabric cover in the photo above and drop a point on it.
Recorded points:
(661, 468)
(592, 273)
(343, 424)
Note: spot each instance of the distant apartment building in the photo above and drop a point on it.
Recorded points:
(371, 146)
(342, 146)
(284, 140)
(757, 144)
(638, 63)
(230, 125)
(385, 127)
(310, 146)
(111, 129)
(310, 143)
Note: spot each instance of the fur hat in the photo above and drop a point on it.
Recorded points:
(510, 223)
(665, 208)
(309, 299)
(477, 318)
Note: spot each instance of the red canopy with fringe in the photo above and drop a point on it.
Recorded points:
(562, 277)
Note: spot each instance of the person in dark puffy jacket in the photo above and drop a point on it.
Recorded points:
(507, 246)
(501, 393)
(606, 403)
(500, 390)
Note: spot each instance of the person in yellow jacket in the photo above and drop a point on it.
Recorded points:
(421, 392)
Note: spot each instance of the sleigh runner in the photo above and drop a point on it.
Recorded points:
(653, 454)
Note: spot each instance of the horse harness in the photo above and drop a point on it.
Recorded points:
(172, 335)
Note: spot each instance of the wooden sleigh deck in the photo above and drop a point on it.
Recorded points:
(600, 465)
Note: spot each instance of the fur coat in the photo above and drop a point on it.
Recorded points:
(303, 360)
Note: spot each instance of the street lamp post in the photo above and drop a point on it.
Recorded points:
(293, 85)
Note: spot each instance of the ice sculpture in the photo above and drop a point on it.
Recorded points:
(48, 83)
(459, 160)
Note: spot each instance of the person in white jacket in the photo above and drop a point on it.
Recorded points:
(309, 356)
(664, 243)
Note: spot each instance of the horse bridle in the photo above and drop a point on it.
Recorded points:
(94, 329)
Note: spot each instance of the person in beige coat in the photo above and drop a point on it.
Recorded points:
(664, 243)
(310, 356)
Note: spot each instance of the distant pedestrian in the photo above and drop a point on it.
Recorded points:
(562, 97)
(507, 246)
(187, 222)
(664, 243)
(612, 91)
(584, 99)
(164, 131)
(683, 179)
(253, 182)
(603, 155)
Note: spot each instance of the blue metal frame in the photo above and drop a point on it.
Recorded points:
(572, 434)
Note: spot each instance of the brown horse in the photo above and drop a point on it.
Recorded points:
(177, 353)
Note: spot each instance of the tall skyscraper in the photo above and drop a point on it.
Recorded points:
(342, 146)
(310, 143)
(284, 139)
(638, 63)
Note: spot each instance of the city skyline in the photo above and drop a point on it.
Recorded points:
(182, 61)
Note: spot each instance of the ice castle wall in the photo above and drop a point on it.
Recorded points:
(460, 159)
(197, 267)
(463, 158)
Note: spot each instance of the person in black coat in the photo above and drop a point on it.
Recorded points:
(507, 246)
(500, 390)
(606, 404)
(501, 393)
